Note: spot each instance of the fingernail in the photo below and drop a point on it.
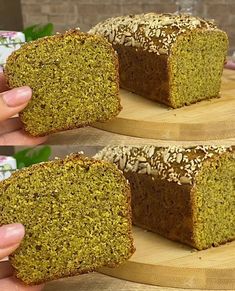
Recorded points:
(11, 234)
(18, 96)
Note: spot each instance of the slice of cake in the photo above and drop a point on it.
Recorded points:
(174, 59)
(184, 194)
(77, 217)
(74, 78)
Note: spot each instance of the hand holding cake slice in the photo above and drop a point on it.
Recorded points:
(76, 214)
(74, 78)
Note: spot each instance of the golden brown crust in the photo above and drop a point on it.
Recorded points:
(162, 207)
(159, 203)
(144, 44)
(148, 74)
(167, 208)
(144, 73)
(174, 164)
(152, 32)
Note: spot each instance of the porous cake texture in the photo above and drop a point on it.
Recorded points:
(74, 78)
(77, 217)
(184, 194)
(174, 59)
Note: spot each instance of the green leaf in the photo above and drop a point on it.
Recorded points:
(41, 155)
(21, 158)
(30, 156)
(37, 31)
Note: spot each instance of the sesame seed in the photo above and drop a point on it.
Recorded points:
(174, 164)
(152, 32)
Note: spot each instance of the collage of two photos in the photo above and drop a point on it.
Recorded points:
(117, 145)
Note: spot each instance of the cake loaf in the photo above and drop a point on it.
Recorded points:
(74, 78)
(77, 217)
(184, 194)
(174, 59)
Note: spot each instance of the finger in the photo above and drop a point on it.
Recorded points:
(230, 65)
(9, 125)
(13, 101)
(5, 252)
(14, 284)
(10, 238)
(21, 138)
(3, 83)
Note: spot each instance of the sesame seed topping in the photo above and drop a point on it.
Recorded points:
(152, 32)
(175, 164)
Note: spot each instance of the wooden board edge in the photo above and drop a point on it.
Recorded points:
(170, 131)
(176, 277)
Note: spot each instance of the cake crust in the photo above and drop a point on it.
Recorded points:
(170, 186)
(149, 47)
(150, 32)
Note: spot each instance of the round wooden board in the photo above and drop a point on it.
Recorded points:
(159, 261)
(206, 120)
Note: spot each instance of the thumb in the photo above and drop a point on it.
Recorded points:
(10, 238)
(13, 101)
(230, 65)
(12, 283)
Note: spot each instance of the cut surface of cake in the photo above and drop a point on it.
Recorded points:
(184, 194)
(76, 214)
(74, 79)
(174, 59)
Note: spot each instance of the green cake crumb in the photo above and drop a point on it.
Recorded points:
(74, 78)
(77, 217)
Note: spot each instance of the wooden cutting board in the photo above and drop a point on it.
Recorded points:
(159, 261)
(206, 120)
